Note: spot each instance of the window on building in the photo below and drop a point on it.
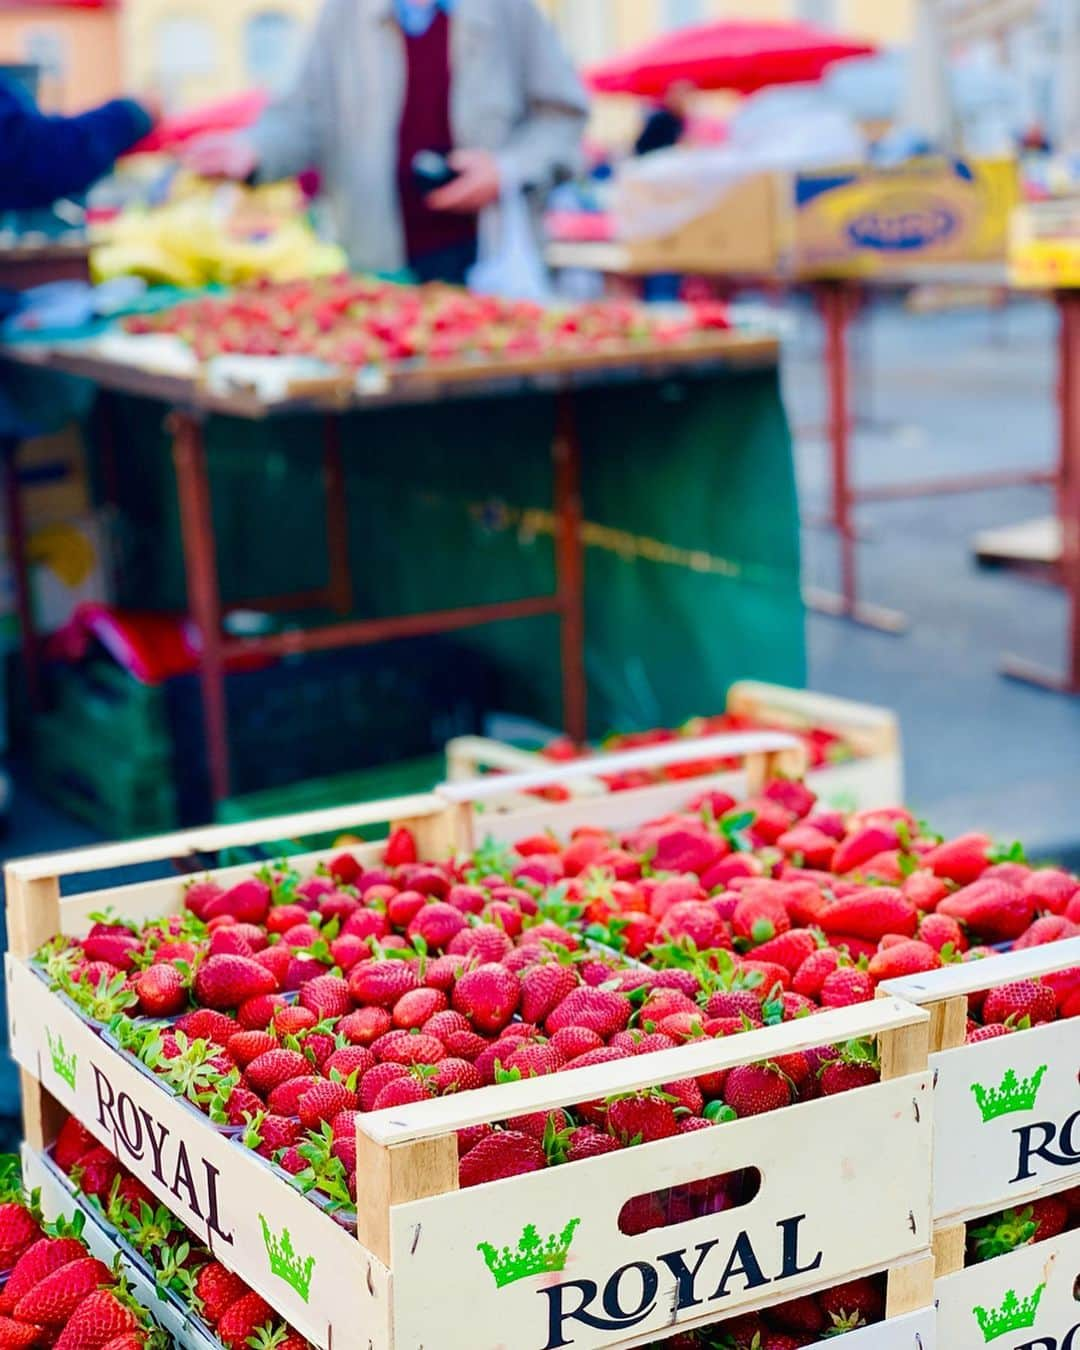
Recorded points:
(271, 43)
(683, 13)
(185, 49)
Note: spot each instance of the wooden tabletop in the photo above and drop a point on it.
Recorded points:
(421, 383)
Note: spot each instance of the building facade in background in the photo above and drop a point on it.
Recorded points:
(76, 46)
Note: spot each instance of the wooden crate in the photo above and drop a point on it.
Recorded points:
(418, 1272)
(874, 778)
(58, 1201)
(1026, 1300)
(1007, 1111)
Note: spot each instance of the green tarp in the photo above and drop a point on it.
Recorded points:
(692, 565)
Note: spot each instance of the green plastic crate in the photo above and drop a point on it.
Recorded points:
(115, 706)
(365, 785)
(92, 777)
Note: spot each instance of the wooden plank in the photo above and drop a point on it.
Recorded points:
(950, 1249)
(33, 910)
(440, 837)
(970, 977)
(873, 731)
(42, 1114)
(214, 838)
(948, 1023)
(910, 1287)
(446, 1293)
(904, 1050)
(389, 1176)
(425, 1120)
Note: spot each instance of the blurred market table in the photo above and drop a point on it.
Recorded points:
(26, 265)
(194, 399)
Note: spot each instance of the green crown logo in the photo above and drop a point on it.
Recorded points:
(532, 1256)
(1014, 1094)
(284, 1262)
(63, 1063)
(1013, 1315)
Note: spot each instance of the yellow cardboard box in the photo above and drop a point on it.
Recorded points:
(865, 221)
(1044, 245)
(53, 476)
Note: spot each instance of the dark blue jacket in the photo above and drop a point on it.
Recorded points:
(43, 158)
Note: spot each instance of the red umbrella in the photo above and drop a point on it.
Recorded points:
(229, 114)
(732, 54)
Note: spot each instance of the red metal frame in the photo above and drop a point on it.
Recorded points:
(205, 606)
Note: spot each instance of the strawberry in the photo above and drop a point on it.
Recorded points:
(291, 1020)
(344, 868)
(839, 1075)
(760, 918)
(52, 1301)
(939, 931)
(350, 1059)
(485, 943)
(40, 1260)
(418, 1006)
(323, 1102)
(402, 1092)
(437, 924)
(326, 996)
(15, 1335)
(504, 1153)
(455, 1075)
(245, 1046)
(277, 960)
(908, 957)
(799, 1314)
(284, 1100)
(256, 1014)
(240, 1319)
(72, 1143)
(373, 1082)
(846, 986)
(1022, 998)
(129, 1340)
(853, 1300)
(273, 1133)
(588, 1142)
(789, 949)
(117, 947)
(488, 996)
(161, 990)
(400, 847)
(735, 1003)
(599, 1010)
(962, 860)
(227, 981)
(274, 1067)
(573, 1041)
(408, 1047)
(813, 972)
(532, 1060)
(98, 1319)
(543, 988)
(1050, 928)
(95, 1172)
(246, 902)
(381, 982)
(871, 913)
(753, 1089)
(992, 910)
(464, 1044)
(641, 1118)
(861, 845)
(1051, 889)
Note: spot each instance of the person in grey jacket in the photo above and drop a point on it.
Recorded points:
(484, 81)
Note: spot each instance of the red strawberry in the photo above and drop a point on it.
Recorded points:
(72, 1143)
(291, 1020)
(543, 988)
(962, 860)
(18, 1229)
(464, 1044)
(846, 986)
(806, 842)
(861, 845)
(505, 1153)
(939, 931)
(436, 924)
(326, 996)
(246, 902)
(52, 1301)
(416, 1007)
(402, 1092)
(840, 1075)
(38, 1262)
(344, 868)
(641, 1118)
(588, 1142)
(813, 972)
(1050, 928)
(532, 1060)
(789, 949)
(1021, 998)
(255, 1014)
(488, 996)
(95, 1172)
(376, 1079)
(284, 1100)
(735, 1003)
(199, 895)
(858, 1301)
(245, 1046)
(241, 1319)
(273, 1067)
(400, 848)
(907, 957)
(991, 910)
(799, 1314)
(277, 960)
(485, 943)
(599, 1010)
(753, 1089)
(131, 1340)
(161, 990)
(408, 1047)
(759, 918)
(118, 948)
(350, 1059)
(15, 1335)
(323, 1102)
(574, 1041)
(381, 982)
(1051, 889)
(226, 981)
(275, 1133)
(871, 913)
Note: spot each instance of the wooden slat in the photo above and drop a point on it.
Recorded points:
(904, 1050)
(213, 838)
(910, 1287)
(33, 911)
(425, 1120)
(389, 1176)
(950, 1250)
(948, 1023)
(971, 976)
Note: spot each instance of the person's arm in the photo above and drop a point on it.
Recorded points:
(547, 145)
(43, 158)
(287, 138)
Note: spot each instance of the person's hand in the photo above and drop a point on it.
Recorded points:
(476, 186)
(220, 155)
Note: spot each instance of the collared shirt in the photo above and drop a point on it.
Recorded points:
(416, 18)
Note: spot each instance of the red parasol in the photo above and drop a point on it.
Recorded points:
(732, 54)
(230, 114)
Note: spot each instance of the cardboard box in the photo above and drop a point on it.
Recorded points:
(867, 221)
(740, 234)
(53, 476)
(1044, 245)
(68, 565)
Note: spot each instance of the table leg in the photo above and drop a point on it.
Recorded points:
(337, 517)
(570, 564)
(20, 565)
(204, 598)
(1020, 668)
(836, 302)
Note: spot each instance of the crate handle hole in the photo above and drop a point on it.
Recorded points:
(692, 1200)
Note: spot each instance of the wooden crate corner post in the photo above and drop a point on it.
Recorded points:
(910, 1288)
(442, 835)
(394, 1174)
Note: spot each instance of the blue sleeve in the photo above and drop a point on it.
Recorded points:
(43, 158)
